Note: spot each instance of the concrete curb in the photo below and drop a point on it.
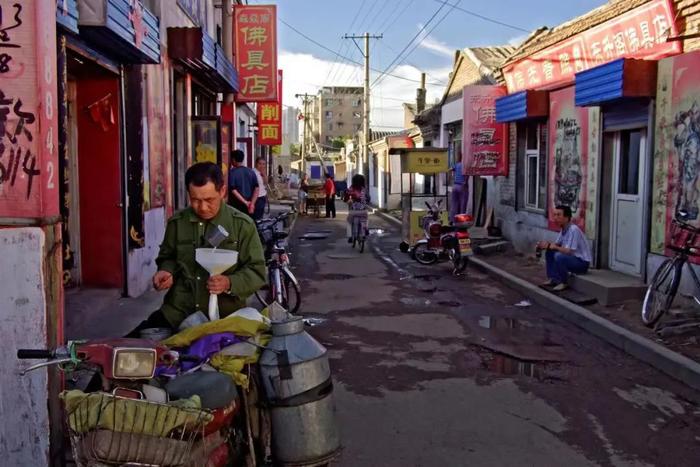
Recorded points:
(667, 361)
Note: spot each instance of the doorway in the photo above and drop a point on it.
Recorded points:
(94, 175)
(627, 206)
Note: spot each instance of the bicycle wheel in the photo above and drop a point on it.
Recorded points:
(266, 294)
(423, 255)
(292, 294)
(661, 292)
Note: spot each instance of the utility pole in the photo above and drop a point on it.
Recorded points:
(365, 121)
(304, 148)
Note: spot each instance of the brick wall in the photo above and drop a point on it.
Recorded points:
(506, 185)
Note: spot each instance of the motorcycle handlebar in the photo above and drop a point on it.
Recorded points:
(36, 354)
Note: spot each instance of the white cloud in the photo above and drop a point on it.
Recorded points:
(305, 73)
(436, 46)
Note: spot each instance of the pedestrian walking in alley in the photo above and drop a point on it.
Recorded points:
(460, 192)
(261, 201)
(329, 188)
(188, 284)
(303, 193)
(242, 184)
(570, 252)
(358, 200)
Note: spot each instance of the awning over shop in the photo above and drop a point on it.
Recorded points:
(522, 105)
(622, 78)
(67, 14)
(125, 28)
(203, 56)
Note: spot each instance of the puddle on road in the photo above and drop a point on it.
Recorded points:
(427, 277)
(449, 303)
(338, 277)
(510, 366)
(314, 321)
(378, 232)
(315, 235)
(490, 322)
(411, 301)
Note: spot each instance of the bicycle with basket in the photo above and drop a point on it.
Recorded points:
(659, 297)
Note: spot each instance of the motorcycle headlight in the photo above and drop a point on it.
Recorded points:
(134, 363)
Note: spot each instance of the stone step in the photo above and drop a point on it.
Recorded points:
(609, 287)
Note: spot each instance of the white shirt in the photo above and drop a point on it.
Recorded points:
(262, 191)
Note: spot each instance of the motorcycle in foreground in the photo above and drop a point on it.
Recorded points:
(141, 412)
(444, 242)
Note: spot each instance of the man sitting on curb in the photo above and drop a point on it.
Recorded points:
(570, 253)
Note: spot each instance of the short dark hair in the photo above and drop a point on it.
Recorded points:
(238, 155)
(202, 173)
(358, 181)
(566, 210)
(260, 159)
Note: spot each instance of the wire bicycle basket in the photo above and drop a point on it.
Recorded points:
(111, 430)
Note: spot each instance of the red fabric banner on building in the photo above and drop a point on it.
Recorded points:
(484, 144)
(255, 39)
(270, 118)
(29, 175)
(639, 33)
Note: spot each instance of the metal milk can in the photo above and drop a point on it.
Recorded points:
(297, 380)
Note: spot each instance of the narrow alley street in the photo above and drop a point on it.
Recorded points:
(431, 369)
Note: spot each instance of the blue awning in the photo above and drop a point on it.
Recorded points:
(67, 15)
(131, 33)
(522, 105)
(621, 78)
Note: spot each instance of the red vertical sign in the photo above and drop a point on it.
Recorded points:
(28, 106)
(270, 118)
(484, 144)
(255, 39)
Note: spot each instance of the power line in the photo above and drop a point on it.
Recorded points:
(485, 18)
(386, 71)
(424, 37)
(386, 25)
(345, 57)
(342, 43)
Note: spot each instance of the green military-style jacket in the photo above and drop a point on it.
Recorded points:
(185, 232)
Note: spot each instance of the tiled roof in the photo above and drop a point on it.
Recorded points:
(545, 37)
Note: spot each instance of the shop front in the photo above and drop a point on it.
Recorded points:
(581, 111)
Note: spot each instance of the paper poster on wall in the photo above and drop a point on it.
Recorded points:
(568, 156)
(677, 152)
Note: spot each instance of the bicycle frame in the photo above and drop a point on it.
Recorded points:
(359, 226)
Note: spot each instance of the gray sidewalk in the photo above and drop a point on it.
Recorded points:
(672, 363)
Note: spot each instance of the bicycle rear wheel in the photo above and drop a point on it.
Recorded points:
(661, 292)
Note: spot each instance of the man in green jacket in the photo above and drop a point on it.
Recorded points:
(188, 284)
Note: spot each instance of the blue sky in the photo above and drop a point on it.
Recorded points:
(307, 66)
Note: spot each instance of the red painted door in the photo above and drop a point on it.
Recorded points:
(99, 175)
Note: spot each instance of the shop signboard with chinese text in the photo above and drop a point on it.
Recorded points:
(639, 33)
(484, 145)
(424, 162)
(29, 175)
(255, 39)
(270, 118)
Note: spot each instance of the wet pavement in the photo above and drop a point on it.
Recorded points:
(436, 370)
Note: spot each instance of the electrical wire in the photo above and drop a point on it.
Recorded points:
(335, 53)
(485, 18)
(343, 43)
(420, 31)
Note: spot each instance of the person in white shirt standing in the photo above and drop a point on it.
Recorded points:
(260, 170)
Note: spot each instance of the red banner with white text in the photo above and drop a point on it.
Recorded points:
(255, 54)
(639, 33)
(485, 144)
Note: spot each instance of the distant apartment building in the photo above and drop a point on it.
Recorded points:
(290, 128)
(336, 112)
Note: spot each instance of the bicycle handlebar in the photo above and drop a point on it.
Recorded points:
(34, 354)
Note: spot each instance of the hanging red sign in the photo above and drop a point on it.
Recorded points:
(270, 118)
(255, 55)
(484, 146)
(639, 33)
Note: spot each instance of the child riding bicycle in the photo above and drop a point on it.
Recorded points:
(358, 200)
